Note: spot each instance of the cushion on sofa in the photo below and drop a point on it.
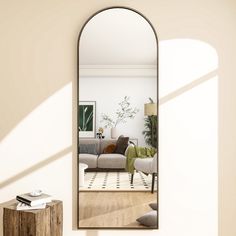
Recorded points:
(91, 141)
(88, 148)
(113, 160)
(149, 219)
(110, 148)
(121, 144)
(105, 142)
(89, 159)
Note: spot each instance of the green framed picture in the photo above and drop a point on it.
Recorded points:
(87, 115)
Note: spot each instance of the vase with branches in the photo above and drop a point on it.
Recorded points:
(124, 112)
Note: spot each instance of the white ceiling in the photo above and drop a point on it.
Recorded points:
(117, 37)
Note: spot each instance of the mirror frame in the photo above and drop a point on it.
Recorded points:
(77, 119)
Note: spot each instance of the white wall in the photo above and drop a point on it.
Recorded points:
(188, 137)
(109, 91)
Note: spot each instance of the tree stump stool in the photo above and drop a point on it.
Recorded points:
(42, 222)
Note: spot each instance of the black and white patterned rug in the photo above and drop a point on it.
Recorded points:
(116, 181)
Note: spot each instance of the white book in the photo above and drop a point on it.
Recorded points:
(34, 201)
(24, 207)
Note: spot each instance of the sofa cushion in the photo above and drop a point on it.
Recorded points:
(89, 159)
(92, 144)
(105, 142)
(121, 144)
(109, 149)
(113, 160)
(88, 148)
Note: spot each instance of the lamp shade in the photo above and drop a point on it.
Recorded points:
(150, 109)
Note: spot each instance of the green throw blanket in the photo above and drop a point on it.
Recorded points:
(137, 152)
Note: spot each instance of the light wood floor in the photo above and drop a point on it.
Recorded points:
(113, 209)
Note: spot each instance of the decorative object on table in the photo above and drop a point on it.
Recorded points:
(87, 119)
(36, 193)
(47, 221)
(34, 201)
(123, 113)
(100, 132)
(150, 132)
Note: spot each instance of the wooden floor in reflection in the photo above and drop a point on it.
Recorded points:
(113, 209)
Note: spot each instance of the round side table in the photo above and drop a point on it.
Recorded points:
(82, 167)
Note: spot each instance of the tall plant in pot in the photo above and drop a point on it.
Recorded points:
(122, 114)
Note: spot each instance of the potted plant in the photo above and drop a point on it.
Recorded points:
(123, 113)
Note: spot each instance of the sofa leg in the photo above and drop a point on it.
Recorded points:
(153, 181)
(132, 178)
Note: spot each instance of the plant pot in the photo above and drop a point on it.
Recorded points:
(114, 133)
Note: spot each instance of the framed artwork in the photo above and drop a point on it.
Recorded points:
(87, 118)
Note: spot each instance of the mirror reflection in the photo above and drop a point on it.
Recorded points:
(117, 122)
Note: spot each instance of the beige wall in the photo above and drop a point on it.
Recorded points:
(38, 63)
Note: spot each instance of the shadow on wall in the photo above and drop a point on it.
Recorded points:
(187, 87)
(35, 167)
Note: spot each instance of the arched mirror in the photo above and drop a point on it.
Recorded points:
(117, 121)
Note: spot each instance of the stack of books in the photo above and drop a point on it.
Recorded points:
(29, 202)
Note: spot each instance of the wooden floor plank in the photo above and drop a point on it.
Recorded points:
(113, 209)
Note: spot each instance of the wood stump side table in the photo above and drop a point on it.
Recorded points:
(42, 222)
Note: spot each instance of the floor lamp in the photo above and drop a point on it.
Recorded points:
(150, 109)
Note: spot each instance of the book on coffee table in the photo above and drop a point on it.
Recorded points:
(34, 201)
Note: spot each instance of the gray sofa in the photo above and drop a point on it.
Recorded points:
(97, 159)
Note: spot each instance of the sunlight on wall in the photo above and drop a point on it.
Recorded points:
(44, 132)
(181, 61)
(188, 137)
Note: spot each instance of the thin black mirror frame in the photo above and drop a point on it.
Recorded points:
(77, 119)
